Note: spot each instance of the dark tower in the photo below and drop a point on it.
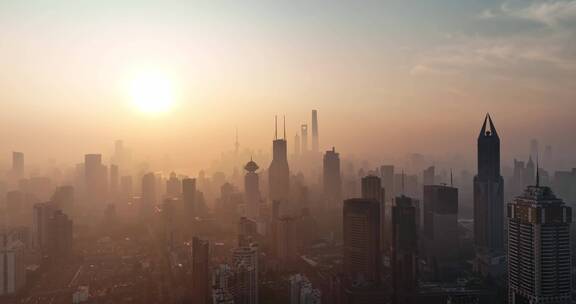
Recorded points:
(331, 178)
(404, 248)
(488, 193)
(278, 172)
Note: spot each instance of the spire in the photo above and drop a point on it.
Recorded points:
(284, 127)
(492, 128)
(275, 127)
(537, 172)
(488, 123)
(403, 182)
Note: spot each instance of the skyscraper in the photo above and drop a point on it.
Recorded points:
(488, 193)
(95, 180)
(315, 139)
(428, 176)
(387, 174)
(148, 199)
(200, 271)
(331, 178)
(539, 265)
(297, 145)
(18, 164)
(372, 189)
(441, 228)
(252, 188)
(245, 263)
(361, 219)
(404, 248)
(189, 195)
(278, 172)
(304, 138)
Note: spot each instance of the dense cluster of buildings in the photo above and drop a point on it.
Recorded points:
(314, 230)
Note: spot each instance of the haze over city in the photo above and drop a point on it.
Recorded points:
(395, 74)
(302, 152)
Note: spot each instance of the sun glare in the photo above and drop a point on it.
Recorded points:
(152, 93)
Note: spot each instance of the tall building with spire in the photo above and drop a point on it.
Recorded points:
(488, 197)
(315, 140)
(304, 138)
(539, 265)
(278, 172)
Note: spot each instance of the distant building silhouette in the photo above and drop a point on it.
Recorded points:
(361, 218)
(95, 180)
(331, 178)
(278, 172)
(252, 189)
(245, 265)
(189, 196)
(387, 174)
(372, 189)
(488, 200)
(539, 257)
(200, 271)
(404, 248)
(149, 193)
(315, 139)
(441, 229)
(18, 164)
(428, 176)
(304, 139)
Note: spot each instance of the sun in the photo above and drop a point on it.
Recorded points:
(152, 93)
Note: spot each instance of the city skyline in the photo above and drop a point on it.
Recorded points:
(385, 66)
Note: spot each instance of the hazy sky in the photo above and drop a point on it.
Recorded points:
(387, 77)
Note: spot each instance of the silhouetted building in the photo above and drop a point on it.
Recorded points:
(539, 258)
(114, 180)
(95, 180)
(126, 188)
(12, 265)
(315, 139)
(200, 271)
(278, 172)
(173, 186)
(286, 240)
(372, 189)
(304, 138)
(302, 291)
(59, 243)
(428, 176)
(331, 178)
(441, 229)
(252, 188)
(42, 213)
(387, 173)
(18, 164)
(63, 199)
(148, 193)
(189, 195)
(488, 199)
(245, 261)
(404, 248)
(297, 145)
(361, 218)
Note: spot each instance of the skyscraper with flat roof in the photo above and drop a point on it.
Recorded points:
(361, 218)
(331, 177)
(539, 257)
(404, 248)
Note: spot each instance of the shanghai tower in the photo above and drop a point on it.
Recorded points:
(279, 173)
(488, 194)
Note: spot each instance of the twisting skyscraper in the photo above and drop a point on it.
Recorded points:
(488, 195)
(278, 172)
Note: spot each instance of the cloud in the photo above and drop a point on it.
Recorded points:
(548, 13)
